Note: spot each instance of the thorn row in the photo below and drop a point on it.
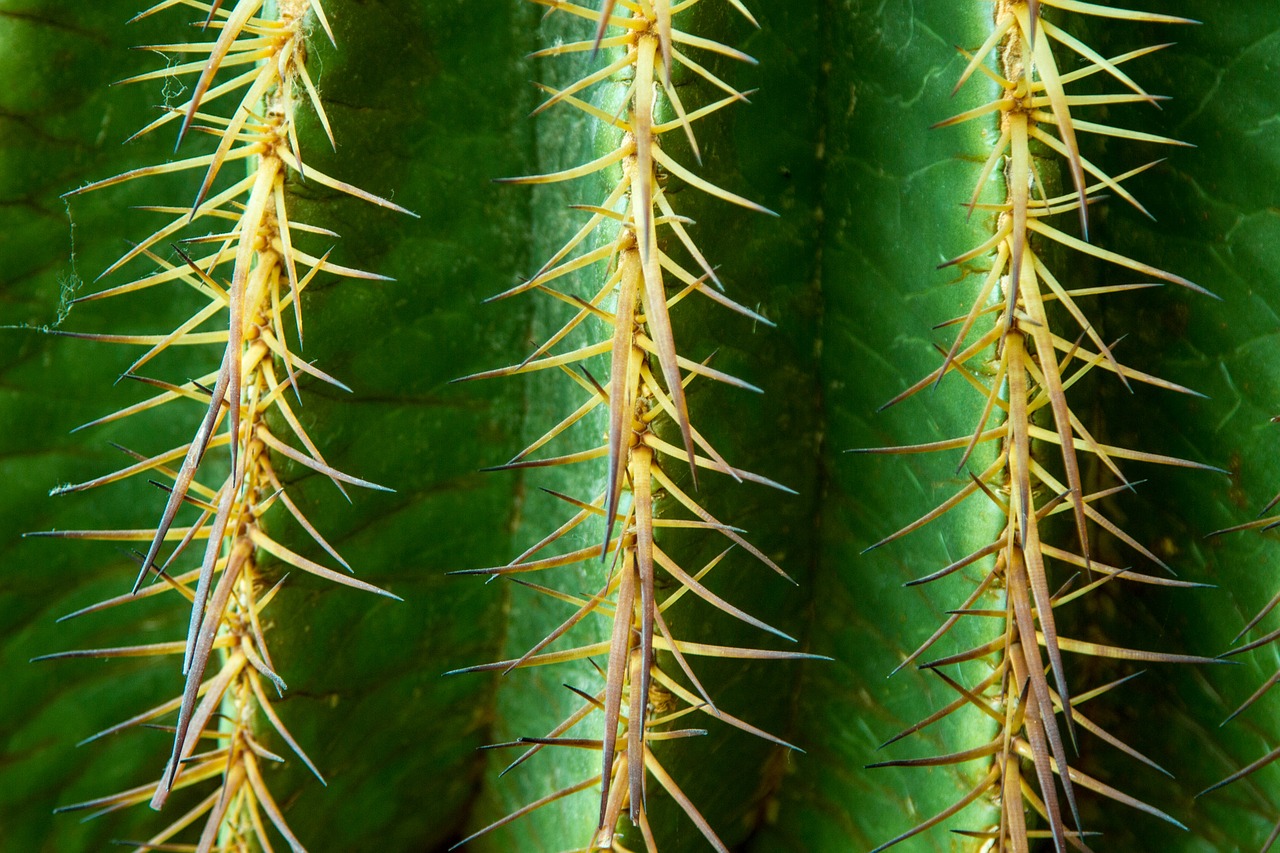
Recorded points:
(637, 233)
(255, 269)
(1010, 350)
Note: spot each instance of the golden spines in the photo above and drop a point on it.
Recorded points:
(254, 270)
(644, 396)
(1034, 366)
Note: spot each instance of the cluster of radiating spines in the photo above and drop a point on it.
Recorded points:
(236, 245)
(1024, 690)
(630, 235)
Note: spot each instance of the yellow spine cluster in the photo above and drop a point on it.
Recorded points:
(641, 42)
(253, 272)
(1025, 692)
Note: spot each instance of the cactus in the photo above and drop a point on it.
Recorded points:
(826, 309)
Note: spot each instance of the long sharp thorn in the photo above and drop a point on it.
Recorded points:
(605, 11)
(187, 473)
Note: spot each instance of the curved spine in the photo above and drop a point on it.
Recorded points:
(254, 268)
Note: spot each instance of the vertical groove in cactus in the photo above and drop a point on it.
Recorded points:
(883, 198)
